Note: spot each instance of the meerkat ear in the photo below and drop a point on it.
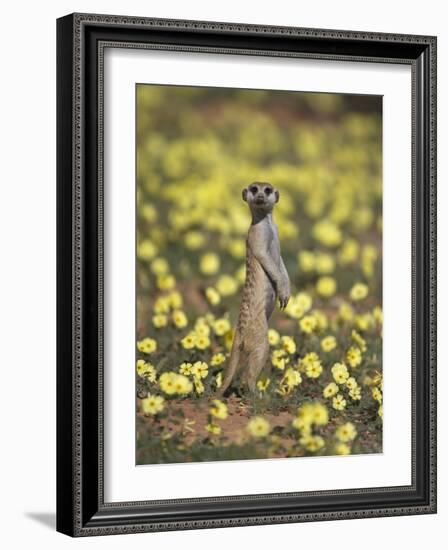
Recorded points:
(277, 196)
(245, 195)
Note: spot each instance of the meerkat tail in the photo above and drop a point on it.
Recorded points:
(232, 366)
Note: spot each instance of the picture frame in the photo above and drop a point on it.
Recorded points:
(81, 506)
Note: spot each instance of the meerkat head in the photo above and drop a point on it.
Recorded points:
(260, 196)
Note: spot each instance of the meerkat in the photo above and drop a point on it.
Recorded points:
(266, 280)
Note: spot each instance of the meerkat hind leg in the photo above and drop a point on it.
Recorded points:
(256, 362)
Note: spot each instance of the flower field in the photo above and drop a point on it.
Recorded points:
(322, 391)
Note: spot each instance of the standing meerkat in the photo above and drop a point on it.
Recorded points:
(266, 280)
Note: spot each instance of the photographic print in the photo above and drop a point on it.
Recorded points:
(258, 274)
(237, 205)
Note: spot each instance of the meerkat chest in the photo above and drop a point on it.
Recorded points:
(274, 247)
(272, 241)
(262, 241)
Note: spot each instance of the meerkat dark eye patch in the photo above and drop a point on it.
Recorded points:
(267, 191)
(254, 189)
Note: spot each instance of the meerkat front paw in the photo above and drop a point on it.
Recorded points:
(283, 297)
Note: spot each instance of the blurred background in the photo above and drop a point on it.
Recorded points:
(197, 148)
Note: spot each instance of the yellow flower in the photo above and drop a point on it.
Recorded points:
(166, 282)
(175, 299)
(258, 427)
(167, 382)
(310, 358)
(359, 291)
(330, 390)
(310, 413)
(346, 432)
(263, 384)
(304, 301)
(354, 357)
(226, 285)
(302, 424)
(237, 248)
(221, 326)
(328, 343)
(148, 212)
(311, 365)
(324, 263)
(359, 340)
(377, 314)
(348, 252)
(306, 261)
(314, 370)
(321, 319)
(218, 380)
(273, 336)
(326, 286)
(185, 369)
(279, 358)
(218, 410)
(202, 342)
(288, 344)
(198, 386)
(339, 403)
(194, 240)
(180, 319)
(159, 266)
(209, 263)
(320, 414)
(327, 233)
(291, 378)
(199, 369)
(377, 395)
(146, 370)
(160, 320)
(162, 305)
(305, 417)
(342, 449)
(340, 373)
(213, 428)
(346, 312)
(351, 383)
(312, 443)
(152, 404)
(298, 305)
(365, 321)
(201, 327)
(189, 341)
(212, 296)
(147, 345)
(378, 379)
(355, 393)
(171, 383)
(380, 411)
(308, 324)
(182, 385)
(146, 250)
(217, 359)
(293, 309)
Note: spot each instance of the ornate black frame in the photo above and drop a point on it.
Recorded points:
(81, 39)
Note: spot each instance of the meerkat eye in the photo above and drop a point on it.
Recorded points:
(254, 189)
(267, 190)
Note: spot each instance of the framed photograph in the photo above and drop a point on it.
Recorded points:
(246, 274)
